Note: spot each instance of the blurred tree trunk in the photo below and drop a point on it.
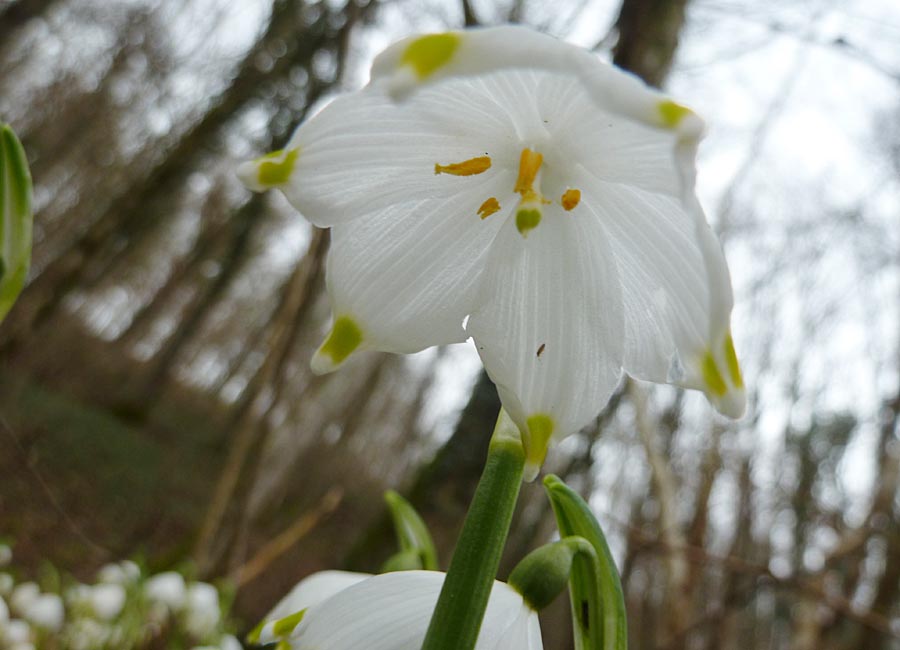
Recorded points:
(648, 33)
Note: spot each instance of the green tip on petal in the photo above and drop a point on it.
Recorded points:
(429, 53)
(272, 170)
(286, 625)
(671, 113)
(731, 360)
(276, 168)
(255, 633)
(712, 378)
(536, 439)
(724, 387)
(527, 219)
(345, 337)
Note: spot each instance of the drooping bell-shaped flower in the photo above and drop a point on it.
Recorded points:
(500, 184)
(336, 610)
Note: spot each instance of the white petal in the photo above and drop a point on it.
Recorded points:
(480, 51)
(550, 325)
(392, 612)
(310, 591)
(167, 588)
(408, 275)
(363, 152)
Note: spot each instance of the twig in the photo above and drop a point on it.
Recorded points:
(288, 538)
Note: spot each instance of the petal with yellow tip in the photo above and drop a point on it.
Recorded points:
(556, 291)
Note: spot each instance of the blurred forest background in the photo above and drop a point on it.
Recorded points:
(154, 383)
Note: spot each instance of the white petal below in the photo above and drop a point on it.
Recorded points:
(310, 591)
(550, 325)
(392, 612)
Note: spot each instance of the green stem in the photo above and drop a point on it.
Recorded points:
(460, 608)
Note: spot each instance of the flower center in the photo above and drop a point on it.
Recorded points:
(529, 208)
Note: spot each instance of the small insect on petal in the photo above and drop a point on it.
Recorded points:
(570, 199)
(489, 207)
(540, 350)
(469, 167)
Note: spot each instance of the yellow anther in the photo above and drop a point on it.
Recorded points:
(489, 207)
(465, 168)
(529, 165)
(570, 198)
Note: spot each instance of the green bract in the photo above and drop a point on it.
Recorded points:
(15, 205)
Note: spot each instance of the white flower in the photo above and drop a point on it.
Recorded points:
(124, 572)
(17, 632)
(88, 634)
(167, 589)
(202, 611)
(107, 600)
(500, 184)
(4, 611)
(46, 611)
(6, 584)
(229, 642)
(391, 611)
(23, 596)
(5, 554)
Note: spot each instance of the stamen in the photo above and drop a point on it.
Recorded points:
(489, 207)
(465, 168)
(529, 165)
(570, 199)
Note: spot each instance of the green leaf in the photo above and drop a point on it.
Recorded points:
(412, 535)
(574, 517)
(15, 219)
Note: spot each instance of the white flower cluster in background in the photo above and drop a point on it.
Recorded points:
(124, 609)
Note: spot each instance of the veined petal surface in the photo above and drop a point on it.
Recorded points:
(408, 274)
(551, 324)
(363, 153)
(392, 611)
(310, 591)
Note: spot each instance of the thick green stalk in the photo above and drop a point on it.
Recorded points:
(460, 608)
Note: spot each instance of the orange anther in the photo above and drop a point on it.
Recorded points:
(489, 207)
(465, 168)
(570, 198)
(529, 165)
